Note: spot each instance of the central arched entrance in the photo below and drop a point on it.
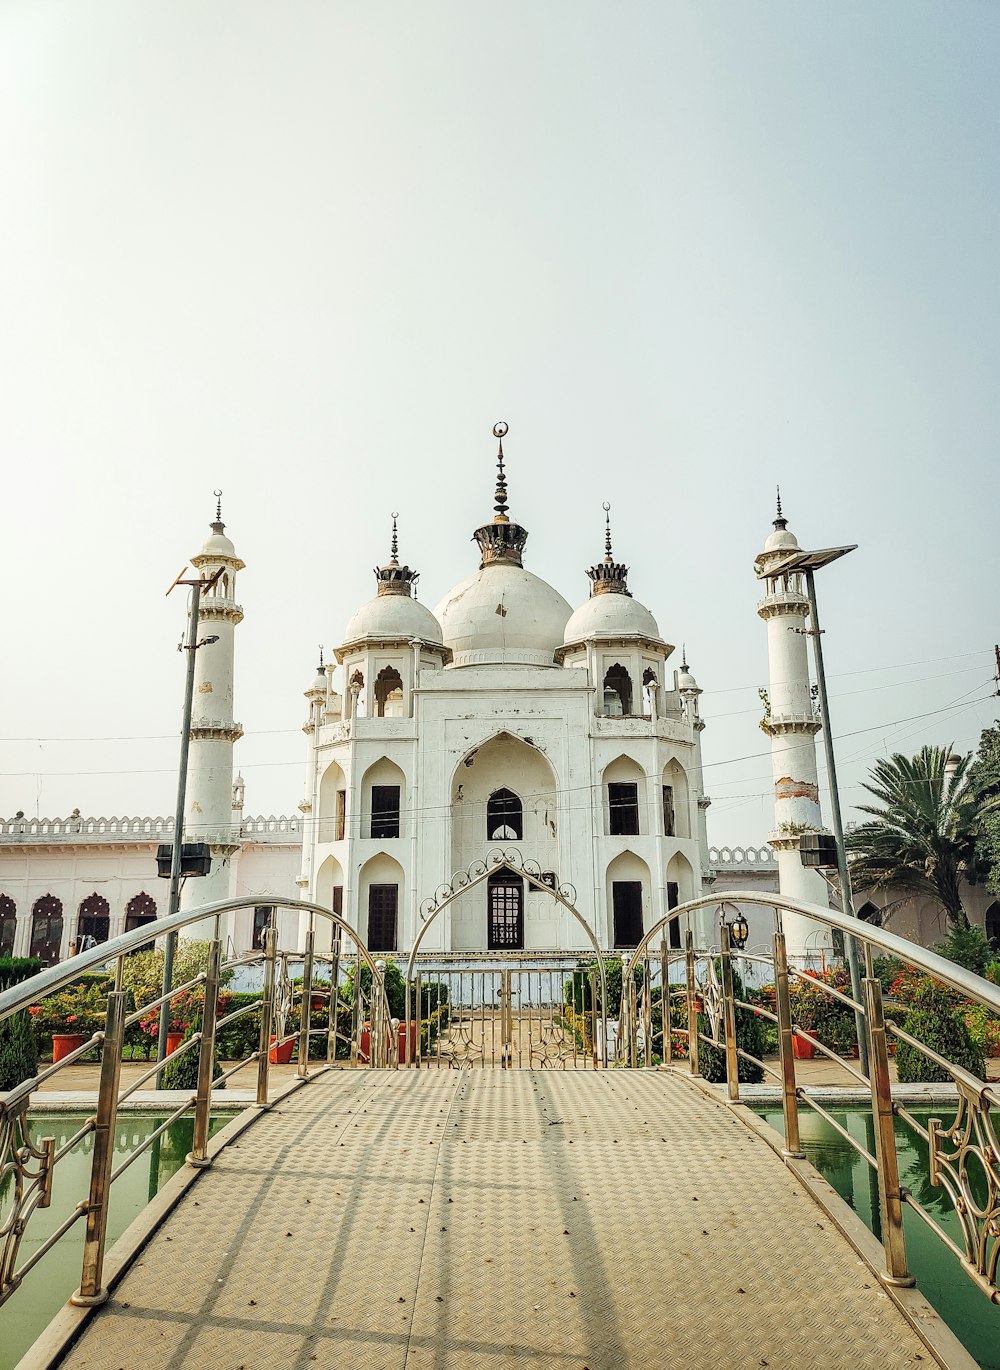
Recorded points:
(506, 1006)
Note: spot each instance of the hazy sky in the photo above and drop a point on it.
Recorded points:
(311, 252)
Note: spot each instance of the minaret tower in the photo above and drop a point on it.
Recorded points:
(791, 722)
(209, 812)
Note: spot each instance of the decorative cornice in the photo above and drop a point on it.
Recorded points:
(215, 731)
(225, 609)
(775, 725)
(783, 602)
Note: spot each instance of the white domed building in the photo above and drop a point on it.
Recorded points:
(504, 719)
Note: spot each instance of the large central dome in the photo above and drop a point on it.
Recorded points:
(502, 614)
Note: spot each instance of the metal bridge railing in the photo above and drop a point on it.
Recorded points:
(367, 1037)
(963, 1153)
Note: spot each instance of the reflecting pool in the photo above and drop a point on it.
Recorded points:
(969, 1314)
(46, 1288)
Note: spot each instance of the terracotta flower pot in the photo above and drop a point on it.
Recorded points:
(281, 1052)
(174, 1040)
(63, 1043)
(802, 1049)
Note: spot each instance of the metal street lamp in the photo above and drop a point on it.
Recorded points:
(190, 646)
(809, 563)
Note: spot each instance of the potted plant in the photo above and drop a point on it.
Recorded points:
(70, 1017)
(186, 1010)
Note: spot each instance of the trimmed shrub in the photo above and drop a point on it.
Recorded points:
(182, 1072)
(750, 1036)
(936, 1021)
(967, 947)
(18, 1039)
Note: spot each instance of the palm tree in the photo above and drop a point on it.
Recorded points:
(922, 837)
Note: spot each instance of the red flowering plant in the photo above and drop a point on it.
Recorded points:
(186, 1009)
(78, 1010)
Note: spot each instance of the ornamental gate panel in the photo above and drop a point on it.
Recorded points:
(508, 1012)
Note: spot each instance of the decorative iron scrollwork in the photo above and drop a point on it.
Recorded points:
(26, 1171)
(965, 1161)
(447, 890)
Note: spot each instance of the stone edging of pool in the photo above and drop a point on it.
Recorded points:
(928, 1324)
(50, 1347)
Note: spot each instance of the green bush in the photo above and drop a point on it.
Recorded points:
(887, 970)
(18, 1050)
(181, 1072)
(142, 972)
(14, 970)
(939, 1025)
(967, 947)
(750, 1036)
(18, 1038)
(395, 988)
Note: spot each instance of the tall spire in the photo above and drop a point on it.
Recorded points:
(608, 576)
(218, 526)
(392, 578)
(780, 522)
(501, 542)
(500, 507)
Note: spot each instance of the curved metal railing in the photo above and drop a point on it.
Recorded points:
(27, 1166)
(963, 1156)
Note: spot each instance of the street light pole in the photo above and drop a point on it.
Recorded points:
(190, 646)
(846, 897)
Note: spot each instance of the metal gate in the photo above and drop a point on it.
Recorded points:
(508, 1012)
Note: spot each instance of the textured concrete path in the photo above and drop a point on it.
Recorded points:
(491, 1219)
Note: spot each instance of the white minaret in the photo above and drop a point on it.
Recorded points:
(791, 722)
(689, 690)
(209, 811)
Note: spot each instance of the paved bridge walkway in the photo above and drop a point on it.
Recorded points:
(492, 1219)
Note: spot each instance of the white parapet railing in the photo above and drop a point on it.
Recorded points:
(29, 831)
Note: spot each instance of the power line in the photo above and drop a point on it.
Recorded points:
(732, 689)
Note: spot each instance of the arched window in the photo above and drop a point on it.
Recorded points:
(504, 817)
(263, 917)
(617, 690)
(505, 915)
(869, 913)
(93, 923)
(992, 923)
(140, 910)
(46, 928)
(8, 925)
(389, 693)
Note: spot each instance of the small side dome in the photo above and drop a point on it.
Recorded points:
(610, 611)
(388, 616)
(610, 616)
(218, 545)
(781, 540)
(394, 613)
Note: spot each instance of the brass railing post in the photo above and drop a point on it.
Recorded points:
(647, 1010)
(729, 1014)
(417, 1047)
(357, 1015)
(331, 1028)
(691, 1003)
(890, 1198)
(378, 1028)
(506, 1021)
(665, 1002)
(266, 1012)
(305, 1009)
(91, 1291)
(789, 1094)
(198, 1155)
